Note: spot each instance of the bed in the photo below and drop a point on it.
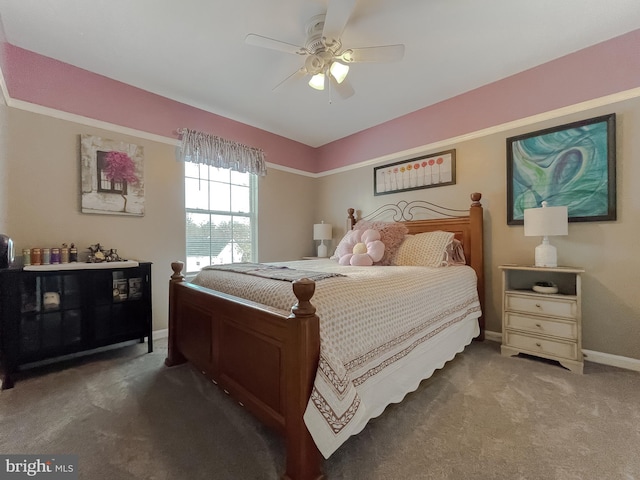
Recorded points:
(263, 347)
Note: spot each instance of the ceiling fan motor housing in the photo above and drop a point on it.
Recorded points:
(314, 29)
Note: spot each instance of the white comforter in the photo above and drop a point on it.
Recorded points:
(382, 331)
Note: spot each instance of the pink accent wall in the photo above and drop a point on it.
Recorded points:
(609, 67)
(603, 69)
(44, 81)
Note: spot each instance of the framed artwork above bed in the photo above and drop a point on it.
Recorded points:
(572, 165)
(427, 171)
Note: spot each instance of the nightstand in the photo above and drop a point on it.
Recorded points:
(547, 325)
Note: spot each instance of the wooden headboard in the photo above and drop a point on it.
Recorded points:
(467, 225)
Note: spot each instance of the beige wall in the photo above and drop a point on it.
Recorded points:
(40, 195)
(286, 214)
(611, 304)
(40, 204)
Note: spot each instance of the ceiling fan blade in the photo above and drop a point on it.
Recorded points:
(381, 54)
(273, 44)
(344, 89)
(338, 13)
(301, 72)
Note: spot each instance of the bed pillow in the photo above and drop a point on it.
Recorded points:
(427, 249)
(391, 234)
(366, 248)
(345, 245)
(454, 254)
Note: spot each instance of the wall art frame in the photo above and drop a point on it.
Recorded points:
(426, 171)
(112, 176)
(572, 165)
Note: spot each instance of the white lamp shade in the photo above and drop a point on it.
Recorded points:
(546, 221)
(322, 231)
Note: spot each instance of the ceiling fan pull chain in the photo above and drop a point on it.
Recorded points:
(330, 88)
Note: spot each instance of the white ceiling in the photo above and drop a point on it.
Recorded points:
(193, 51)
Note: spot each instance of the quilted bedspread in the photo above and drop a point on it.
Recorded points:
(383, 329)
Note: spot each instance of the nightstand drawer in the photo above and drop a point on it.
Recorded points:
(537, 345)
(568, 330)
(552, 306)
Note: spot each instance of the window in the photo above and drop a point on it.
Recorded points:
(220, 216)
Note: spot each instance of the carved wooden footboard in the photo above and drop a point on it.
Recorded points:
(266, 360)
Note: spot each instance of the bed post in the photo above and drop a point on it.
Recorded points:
(303, 457)
(174, 357)
(477, 256)
(351, 219)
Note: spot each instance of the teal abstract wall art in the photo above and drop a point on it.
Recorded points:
(573, 165)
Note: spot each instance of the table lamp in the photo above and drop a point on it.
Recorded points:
(545, 222)
(322, 232)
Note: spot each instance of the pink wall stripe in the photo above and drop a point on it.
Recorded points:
(44, 81)
(609, 67)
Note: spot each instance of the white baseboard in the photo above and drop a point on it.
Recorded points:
(589, 355)
(493, 336)
(612, 360)
(164, 333)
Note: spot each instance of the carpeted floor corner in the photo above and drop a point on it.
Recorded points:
(483, 416)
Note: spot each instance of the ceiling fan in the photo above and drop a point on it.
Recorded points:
(326, 60)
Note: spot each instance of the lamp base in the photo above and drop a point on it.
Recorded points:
(322, 250)
(546, 254)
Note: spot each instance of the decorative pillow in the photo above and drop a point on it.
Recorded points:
(391, 234)
(424, 249)
(366, 248)
(345, 245)
(454, 255)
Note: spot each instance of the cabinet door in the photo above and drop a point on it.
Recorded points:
(51, 318)
(120, 305)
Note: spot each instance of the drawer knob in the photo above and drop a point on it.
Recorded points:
(538, 325)
(538, 344)
(538, 305)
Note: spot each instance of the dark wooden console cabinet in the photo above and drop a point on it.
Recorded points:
(51, 313)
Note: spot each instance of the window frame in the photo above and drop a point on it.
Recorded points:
(252, 215)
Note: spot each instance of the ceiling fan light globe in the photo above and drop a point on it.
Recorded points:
(317, 81)
(339, 71)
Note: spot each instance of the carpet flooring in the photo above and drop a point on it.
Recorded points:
(483, 416)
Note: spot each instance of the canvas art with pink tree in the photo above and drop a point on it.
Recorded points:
(112, 176)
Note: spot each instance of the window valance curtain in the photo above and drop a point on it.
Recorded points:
(207, 149)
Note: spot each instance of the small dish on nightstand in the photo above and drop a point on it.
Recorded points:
(545, 287)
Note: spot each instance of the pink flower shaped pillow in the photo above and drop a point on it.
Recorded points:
(362, 248)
